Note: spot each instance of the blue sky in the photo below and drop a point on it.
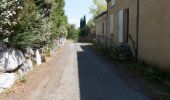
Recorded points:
(75, 9)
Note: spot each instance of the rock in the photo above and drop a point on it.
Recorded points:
(10, 59)
(3, 46)
(26, 66)
(2, 62)
(43, 57)
(29, 52)
(14, 58)
(6, 80)
(38, 57)
(30, 64)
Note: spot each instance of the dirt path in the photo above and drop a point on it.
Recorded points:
(75, 73)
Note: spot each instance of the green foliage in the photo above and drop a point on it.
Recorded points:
(23, 79)
(32, 23)
(7, 91)
(98, 7)
(29, 30)
(83, 22)
(115, 52)
(9, 12)
(72, 32)
(59, 26)
(157, 78)
(91, 23)
(84, 29)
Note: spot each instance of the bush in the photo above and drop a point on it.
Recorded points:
(72, 32)
(115, 52)
(31, 23)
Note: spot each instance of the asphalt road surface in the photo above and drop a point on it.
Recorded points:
(76, 72)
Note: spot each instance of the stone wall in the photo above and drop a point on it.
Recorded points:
(15, 63)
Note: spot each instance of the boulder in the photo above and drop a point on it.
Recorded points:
(6, 80)
(26, 66)
(10, 59)
(2, 62)
(14, 58)
(29, 52)
(3, 46)
(2, 56)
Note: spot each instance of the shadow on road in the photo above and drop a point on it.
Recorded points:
(97, 81)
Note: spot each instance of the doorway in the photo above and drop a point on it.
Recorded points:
(123, 25)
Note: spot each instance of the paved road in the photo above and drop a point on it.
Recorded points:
(78, 73)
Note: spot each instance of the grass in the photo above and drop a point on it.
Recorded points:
(7, 91)
(155, 77)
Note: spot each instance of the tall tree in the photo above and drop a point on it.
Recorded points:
(83, 28)
(84, 21)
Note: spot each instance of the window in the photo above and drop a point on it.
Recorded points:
(113, 2)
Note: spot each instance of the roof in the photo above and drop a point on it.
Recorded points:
(101, 14)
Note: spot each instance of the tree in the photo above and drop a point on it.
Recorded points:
(83, 28)
(84, 21)
(9, 17)
(59, 19)
(98, 7)
(29, 30)
(72, 32)
(31, 23)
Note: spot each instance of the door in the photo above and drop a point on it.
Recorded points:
(120, 36)
(123, 25)
(126, 25)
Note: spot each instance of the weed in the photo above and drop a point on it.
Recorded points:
(153, 76)
(23, 79)
(7, 91)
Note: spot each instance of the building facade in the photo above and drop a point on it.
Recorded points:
(154, 33)
(122, 21)
(101, 28)
(142, 24)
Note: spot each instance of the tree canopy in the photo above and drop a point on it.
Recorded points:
(31, 22)
(98, 7)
